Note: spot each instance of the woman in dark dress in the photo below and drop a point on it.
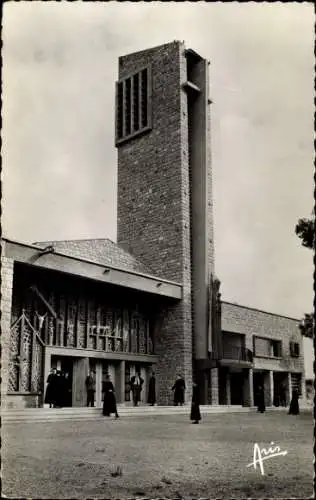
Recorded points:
(109, 401)
(195, 405)
(261, 403)
(152, 390)
(59, 389)
(50, 395)
(294, 406)
(179, 388)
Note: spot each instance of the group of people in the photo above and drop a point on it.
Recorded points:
(294, 404)
(136, 384)
(58, 394)
(58, 390)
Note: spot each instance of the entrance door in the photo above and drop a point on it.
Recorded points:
(258, 381)
(222, 381)
(67, 370)
(64, 364)
(236, 388)
(80, 373)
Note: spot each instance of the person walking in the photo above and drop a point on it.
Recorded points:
(195, 415)
(294, 405)
(90, 385)
(50, 395)
(261, 403)
(152, 390)
(109, 401)
(178, 388)
(136, 388)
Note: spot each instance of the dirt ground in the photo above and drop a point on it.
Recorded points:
(159, 457)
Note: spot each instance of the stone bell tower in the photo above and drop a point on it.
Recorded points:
(165, 215)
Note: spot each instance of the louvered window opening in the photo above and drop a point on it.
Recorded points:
(133, 105)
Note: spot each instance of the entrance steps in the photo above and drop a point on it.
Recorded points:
(59, 414)
(56, 414)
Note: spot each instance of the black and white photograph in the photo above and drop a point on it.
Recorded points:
(158, 233)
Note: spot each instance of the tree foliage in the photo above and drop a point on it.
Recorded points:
(307, 326)
(305, 230)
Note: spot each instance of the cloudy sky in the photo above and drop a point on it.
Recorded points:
(59, 68)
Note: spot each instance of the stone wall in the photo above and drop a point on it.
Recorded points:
(154, 202)
(252, 322)
(6, 304)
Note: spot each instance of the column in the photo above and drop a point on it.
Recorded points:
(144, 376)
(289, 388)
(303, 388)
(248, 388)
(228, 396)
(47, 368)
(6, 306)
(251, 396)
(271, 387)
(120, 382)
(98, 384)
(214, 385)
(268, 387)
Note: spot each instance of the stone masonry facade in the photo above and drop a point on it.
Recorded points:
(6, 307)
(154, 202)
(253, 322)
(154, 230)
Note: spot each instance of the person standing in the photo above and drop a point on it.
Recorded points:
(67, 390)
(195, 415)
(90, 385)
(50, 395)
(136, 388)
(59, 389)
(109, 401)
(179, 388)
(294, 405)
(152, 390)
(261, 403)
(283, 395)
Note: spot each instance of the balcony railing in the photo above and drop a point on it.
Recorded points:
(237, 353)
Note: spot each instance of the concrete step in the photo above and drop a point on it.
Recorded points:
(57, 414)
(54, 414)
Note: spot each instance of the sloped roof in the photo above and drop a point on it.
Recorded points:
(99, 251)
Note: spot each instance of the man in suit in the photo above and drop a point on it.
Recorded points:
(90, 385)
(136, 387)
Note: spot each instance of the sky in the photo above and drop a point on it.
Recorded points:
(59, 160)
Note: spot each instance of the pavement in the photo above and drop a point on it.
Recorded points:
(158, 456)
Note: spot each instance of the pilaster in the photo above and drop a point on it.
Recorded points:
(214, 386)
(6, 307)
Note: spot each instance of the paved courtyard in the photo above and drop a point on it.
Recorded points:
(158, 457)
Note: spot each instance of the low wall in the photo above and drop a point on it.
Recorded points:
(21, 401)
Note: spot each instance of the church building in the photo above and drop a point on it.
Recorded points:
(151, 301)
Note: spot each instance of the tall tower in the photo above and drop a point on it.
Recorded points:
(165, 193)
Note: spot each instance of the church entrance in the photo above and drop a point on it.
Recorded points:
(130, 370)
(64, 366)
